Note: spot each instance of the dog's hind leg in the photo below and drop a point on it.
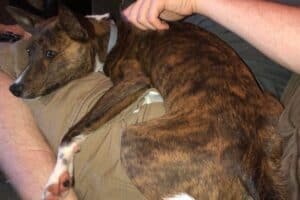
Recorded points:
(109, 105)
(160, 155)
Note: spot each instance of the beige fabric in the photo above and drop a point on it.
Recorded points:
(289, 128)
(290, 89)
(98, 171)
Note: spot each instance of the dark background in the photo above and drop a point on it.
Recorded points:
(48, 8)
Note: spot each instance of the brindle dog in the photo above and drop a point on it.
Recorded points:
(217, 139)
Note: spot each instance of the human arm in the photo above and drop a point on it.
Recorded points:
(271, 27)
(16, 29)
(25, 157)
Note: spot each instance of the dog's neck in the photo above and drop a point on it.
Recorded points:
(113, 36)
(104, 38)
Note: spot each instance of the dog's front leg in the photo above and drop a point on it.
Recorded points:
(109, 105)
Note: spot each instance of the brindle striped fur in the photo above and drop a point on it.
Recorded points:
(217, 139)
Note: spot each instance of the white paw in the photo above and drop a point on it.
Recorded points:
(61, 179)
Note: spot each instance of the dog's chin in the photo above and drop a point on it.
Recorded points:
(31, 96)
(38, 94)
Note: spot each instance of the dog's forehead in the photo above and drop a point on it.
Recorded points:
(45, 24)
(50, 34)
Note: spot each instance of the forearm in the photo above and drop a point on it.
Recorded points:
(25, 156)
(15, 29)
(272, 28)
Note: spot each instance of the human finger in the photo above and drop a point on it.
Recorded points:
(133, 14)
(170, 16)
(156, 7)
(143, 14)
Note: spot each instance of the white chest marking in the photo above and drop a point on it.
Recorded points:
(98, 66)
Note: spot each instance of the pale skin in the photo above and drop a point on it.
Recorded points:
(271, 27)
(14, 29)
(25, 157)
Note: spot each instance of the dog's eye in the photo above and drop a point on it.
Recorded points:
(50, 54)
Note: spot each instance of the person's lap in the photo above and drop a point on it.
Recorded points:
(98, 171)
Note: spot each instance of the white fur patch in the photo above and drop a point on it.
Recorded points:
(65, 157)
(98, 17)
(181, 196)
(21, 76)
(98, 66)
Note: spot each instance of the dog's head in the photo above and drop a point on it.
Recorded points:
(59, 51)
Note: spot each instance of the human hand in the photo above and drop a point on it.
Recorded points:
(150, 14)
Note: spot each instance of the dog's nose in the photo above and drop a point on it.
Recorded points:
(17, 89)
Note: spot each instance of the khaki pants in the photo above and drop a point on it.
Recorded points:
(98, 171)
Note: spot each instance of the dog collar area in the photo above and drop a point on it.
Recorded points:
(113, 36)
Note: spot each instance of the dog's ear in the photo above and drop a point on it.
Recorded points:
(25, 19)
(71, 24)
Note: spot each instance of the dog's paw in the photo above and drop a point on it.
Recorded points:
(61, 179)
(56, 191)
(59, 183)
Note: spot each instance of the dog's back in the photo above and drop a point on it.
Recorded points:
(218, 139)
